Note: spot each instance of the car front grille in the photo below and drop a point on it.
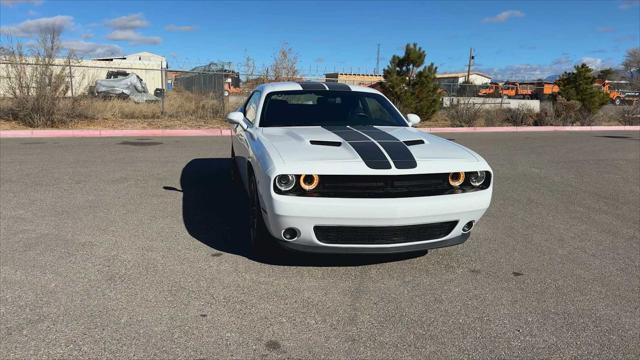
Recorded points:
(385, 186)
(378, 235)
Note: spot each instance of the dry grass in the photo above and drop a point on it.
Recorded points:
(182, 110)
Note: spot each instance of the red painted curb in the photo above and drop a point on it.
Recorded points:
(226, 132)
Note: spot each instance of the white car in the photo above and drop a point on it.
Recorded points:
(336, 168)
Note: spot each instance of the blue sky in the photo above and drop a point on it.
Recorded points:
(512, 39)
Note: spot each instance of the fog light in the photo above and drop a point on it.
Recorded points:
(285, 182)
(309, 182)
(290, 234)
(456, 178)
(468, 226)
(476, 178)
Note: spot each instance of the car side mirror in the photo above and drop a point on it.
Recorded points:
(413, 119)
(237, 118)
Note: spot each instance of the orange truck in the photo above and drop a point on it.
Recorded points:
(543, 90)
(490, 90)
(520, 90)
(619, 92)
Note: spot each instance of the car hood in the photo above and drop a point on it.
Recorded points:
(297, 145)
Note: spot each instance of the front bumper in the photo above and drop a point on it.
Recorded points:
(304, 213)
(292, 245)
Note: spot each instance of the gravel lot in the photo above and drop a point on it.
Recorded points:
(125, 247)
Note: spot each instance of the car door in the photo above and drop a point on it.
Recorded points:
(241, 146)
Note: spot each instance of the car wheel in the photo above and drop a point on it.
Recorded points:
(259, 237)
(617, 101)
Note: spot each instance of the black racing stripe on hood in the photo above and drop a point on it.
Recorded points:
(397, 150)
(337, 86)
(368, 151)
(310, 85)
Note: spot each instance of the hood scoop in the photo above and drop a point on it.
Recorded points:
(325, 143)
(413, 142)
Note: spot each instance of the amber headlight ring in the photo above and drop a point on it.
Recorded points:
(309, 182)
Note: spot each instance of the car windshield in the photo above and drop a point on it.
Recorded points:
(328, 108)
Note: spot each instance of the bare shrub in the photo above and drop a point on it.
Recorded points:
(520, 116)
(567, 112)
(493, 117)
(36, 82)
(628, 115)
(463, 113)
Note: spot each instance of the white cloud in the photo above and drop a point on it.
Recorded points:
(89, 49)
(594, 63)
(30, 28)
(174, 28)
(133, 37)
(503, 16)
(86, 36)
(14, 2)
(128, 22)
(541, 71)
(628, 4)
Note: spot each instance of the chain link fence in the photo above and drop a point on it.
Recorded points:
(206, 96)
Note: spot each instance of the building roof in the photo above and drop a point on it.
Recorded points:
(352, 74)
(138, 54)
(461, 74)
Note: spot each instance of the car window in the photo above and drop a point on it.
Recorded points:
(251, 108)
(328, 108)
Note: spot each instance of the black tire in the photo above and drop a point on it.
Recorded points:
(259, 237)
(617, 101)
(233, 173)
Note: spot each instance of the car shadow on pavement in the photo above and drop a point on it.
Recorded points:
(215, 212)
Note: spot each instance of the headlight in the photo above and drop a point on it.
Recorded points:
(456, 178)
(309, 182)
(285, 182)
(476, 178)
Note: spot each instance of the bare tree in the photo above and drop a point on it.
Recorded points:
(36, 80)
(249, 68)
(285, 65)
(632, 60)
(631, 64)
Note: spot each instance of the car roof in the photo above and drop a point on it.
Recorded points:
(312, 85)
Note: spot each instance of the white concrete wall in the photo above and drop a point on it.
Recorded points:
(489, 103)
(86, 72)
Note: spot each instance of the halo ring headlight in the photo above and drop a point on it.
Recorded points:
(309, 182)
(285, 182)
(456, 178)
(476, 178)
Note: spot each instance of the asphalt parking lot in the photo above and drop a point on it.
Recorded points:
(136, 247)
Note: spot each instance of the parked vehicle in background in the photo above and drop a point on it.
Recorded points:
(516, 90)
(540, 90)
(490, 90)
(620, 92)
(543, 90)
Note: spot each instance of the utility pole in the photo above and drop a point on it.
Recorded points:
(468, 80)
(378, 60)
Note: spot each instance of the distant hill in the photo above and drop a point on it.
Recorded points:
(552, 78)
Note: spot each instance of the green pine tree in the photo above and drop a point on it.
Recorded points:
(579, 85)
(410, 85)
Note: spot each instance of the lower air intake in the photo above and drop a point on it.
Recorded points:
(379, 235)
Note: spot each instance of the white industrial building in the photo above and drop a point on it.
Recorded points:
(84, 73)
(476, 78)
